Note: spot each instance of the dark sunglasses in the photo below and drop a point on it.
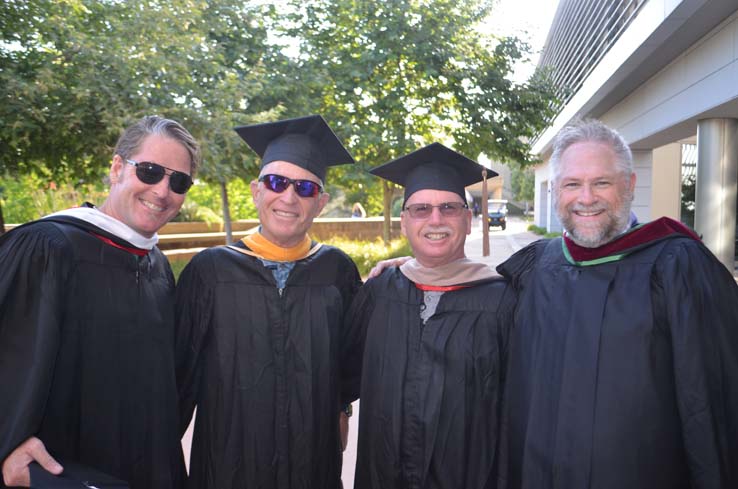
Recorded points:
(152, 173)
(424, 211)
(303, 188)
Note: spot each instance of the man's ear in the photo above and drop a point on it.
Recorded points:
(254, 190)
(322, 201)
(402, 224)
(116, 169)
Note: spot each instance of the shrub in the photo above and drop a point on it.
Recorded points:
(366, 254)
(542, 231)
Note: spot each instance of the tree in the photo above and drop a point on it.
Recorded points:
(75, 73)
(395, 75)
(523, 184)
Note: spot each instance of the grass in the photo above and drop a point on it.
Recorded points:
(364, 253)
(542, 231)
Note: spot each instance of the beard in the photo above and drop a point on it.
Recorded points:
(596, 234)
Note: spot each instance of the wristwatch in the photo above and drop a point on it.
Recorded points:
(348, 409)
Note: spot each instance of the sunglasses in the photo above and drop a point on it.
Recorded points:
(303, 188)
(152, 173)
(447, 209)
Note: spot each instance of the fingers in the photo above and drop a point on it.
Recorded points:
(383, 264)
(44, 458)
(15, 466)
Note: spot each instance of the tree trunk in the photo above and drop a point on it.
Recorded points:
(387, 225)
(485, 215)
(226, 212)
(2, 220)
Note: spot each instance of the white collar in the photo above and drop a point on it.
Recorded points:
(98, 218)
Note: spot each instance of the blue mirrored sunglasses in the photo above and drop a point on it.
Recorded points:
(303, 188)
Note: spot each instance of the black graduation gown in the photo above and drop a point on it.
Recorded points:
(262, 366)
(622, 374)
(430, 392)
(87, 352)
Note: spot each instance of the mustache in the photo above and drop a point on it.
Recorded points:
(589, 208)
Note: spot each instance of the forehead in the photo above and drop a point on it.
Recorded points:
(428, 196)
(165, 151)
(588, 159)
(289, 170)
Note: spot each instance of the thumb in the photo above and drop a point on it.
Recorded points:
(44, 459)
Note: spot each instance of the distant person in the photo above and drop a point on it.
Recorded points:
(358, 210)
(260, 324)
(624, 357)
(87, 324)
(433, 333)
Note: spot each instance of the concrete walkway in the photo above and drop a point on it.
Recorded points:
(502, 244)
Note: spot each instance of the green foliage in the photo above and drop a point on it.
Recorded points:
(365, 254)
(178, 266)
(388, 76)
(393, 76)
(203, 202)
(74, 73)
(542, 231)
(522, 182)
(31, 196)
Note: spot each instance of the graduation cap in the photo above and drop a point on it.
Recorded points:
(307, 142)
(433, 167)
(75, 476)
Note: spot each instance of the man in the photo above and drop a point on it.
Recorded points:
(433, 334)
(260, 324)
(624, 356)
(87, 323)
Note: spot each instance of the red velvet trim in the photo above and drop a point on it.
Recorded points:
(440, 288)
(135, 251)
(653, 231)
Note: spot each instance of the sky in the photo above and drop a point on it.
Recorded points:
(527, 19)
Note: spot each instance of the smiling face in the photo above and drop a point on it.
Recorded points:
(437, 240)
(592, 196)
(146, 208)
(286, 217)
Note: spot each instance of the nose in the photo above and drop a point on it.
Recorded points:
(289, 195)
(587, 196)
(436, 216)
(161, 188)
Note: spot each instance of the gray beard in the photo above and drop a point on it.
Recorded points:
(605, 234)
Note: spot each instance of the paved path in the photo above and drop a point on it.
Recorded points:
(502, 244)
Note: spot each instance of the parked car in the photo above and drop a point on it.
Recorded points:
(497, 213)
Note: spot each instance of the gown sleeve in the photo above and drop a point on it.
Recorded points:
(352, 342)
(521, 262)
(194, 306)
(35, 266)
(700, 298)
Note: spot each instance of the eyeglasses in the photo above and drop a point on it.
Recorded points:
(303, 188)
(424, 211)
(152, 173)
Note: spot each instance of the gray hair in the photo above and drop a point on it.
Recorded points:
(590, 130)
(132, 138)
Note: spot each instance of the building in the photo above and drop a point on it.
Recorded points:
(664, 73)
